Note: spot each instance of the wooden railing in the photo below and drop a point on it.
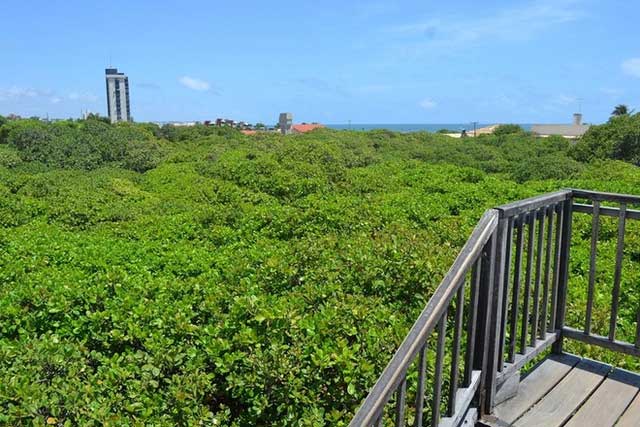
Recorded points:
(505, 296)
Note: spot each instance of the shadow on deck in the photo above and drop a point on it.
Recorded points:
(565, 390)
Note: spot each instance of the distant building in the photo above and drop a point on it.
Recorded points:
(304, 128)
(285, 122)
(570, 131)
(118, 105)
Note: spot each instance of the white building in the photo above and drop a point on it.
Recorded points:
(118, 106)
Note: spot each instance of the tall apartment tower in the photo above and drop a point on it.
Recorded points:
(285, 121)
(118, 106)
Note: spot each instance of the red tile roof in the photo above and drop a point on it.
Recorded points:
(306, 128)
(249, 132)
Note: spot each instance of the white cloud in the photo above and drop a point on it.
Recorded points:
(17, 93)
(631, 67)
(55, 100)
(83, 97)
(514, 23)
(564, 100)
(195, 84)
(428, 104)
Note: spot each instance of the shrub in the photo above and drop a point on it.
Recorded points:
(551, 166)
(508, 129)
(619, 139)
(9, 157)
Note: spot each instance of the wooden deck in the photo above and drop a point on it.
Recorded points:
(565, 390)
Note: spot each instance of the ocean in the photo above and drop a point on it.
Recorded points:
(429, 127)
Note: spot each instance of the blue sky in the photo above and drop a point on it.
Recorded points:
(372, 61)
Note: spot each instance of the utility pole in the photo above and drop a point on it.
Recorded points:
(475, 126)
(349, 124)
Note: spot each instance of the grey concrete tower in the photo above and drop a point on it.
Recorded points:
(118, 106)
(285, 121)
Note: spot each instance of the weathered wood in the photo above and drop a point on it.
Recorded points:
(533, 203)
(472, 321)
(608, 402)
(470, 419)
(455, 358)
(535, 385)
(556, 269)
(611, 197)
(606, 211)
(505, 289)
(547, 272)
(530, 354)
(595, 230)
(515, 302)
(527, 285)
(563, 270)
(536, 293)
(555, 408)
(401, 396)
(494, 358)
(422, 372)
(464, 396)
(600, 341)
(437, 381)
(631, 417)
(483, 334)
(615, 295)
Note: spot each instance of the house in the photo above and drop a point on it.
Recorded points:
(569, 131)
(305, 127)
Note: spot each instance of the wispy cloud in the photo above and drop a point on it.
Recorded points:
(564, 100)
(18, 93)
(631, 67)
(428, 104)
(82, 97)
(194, 83)
(514, 23)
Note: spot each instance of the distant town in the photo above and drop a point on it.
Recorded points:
(119, 110)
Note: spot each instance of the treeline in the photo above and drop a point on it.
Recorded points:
(92, 143)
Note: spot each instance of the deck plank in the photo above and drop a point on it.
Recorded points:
(562, 401)
(631, 417)
(535, 385)
(609, 401)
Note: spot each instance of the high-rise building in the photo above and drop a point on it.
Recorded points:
(118, 106)
(285, 121)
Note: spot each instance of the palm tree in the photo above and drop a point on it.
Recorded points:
(620, 110)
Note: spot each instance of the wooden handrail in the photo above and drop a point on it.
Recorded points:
(546, 221)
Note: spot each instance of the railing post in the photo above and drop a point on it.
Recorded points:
(489, 313)
(565, 248)
(494, 356)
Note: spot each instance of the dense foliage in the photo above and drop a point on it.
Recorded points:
(617, 139)
(238, 281)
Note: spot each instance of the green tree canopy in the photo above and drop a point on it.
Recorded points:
(619, 139)
(620, 110)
